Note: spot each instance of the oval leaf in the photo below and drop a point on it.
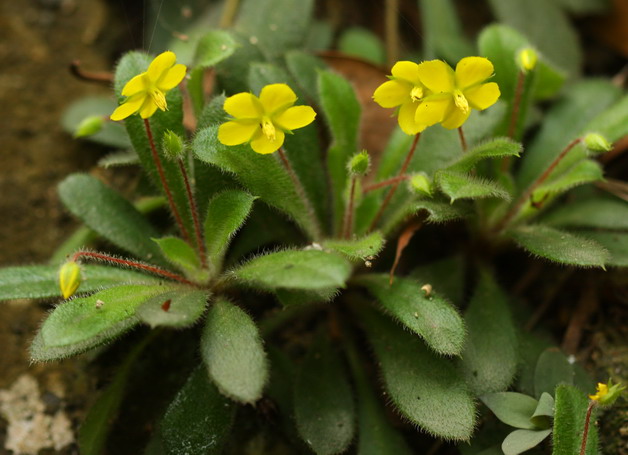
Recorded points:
(180, 308)
(179, 252)
(521, 440)
(514, 409)
(357, 249)
(457, 185)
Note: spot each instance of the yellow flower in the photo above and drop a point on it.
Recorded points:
(406, 91)
(69, 278)
(263, 121)
(147, 91)
(454, 94)
(606, 394)
(602, 390)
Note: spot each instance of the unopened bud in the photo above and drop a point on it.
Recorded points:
(69, 278)
(359, 164)
(421, 183)
(89, 126)
(527, 59)
(597, 143)
(173, 144)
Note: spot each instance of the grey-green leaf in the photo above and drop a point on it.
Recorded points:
(560, 246)
(199, 419)
(432, 316)
(214, 47)
(512, 408)
(442, 31)
(112, 134)
(233, 353)
(425, 387)
(571, 407)
(357, 249)
(490, 356)
(361, 42)
(457, 185)
(180, 308)
(615, 242)
(593, 212)
(110, 215)
(544, 412)
(294, 269)
(552, 368)
(521, 440)
(323, 401)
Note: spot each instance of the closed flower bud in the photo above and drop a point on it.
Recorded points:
(173, 144)
(69, 278)
(597, 143)
(359, 164)
(420, 183)
(89, 126)
(527, 59)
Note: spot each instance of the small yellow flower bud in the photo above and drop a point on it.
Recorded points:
(359, 164)
(527, 59)
(89, 126)
(173, 144)
(607, 394)
(597, 143)
(69, 278)
(421, 183)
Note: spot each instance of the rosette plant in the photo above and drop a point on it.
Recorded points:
(273, 239)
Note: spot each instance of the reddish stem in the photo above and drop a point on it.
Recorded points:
(194, 209)
(391, 192)
(527, 194)
(516, 105)
(463, 141)
(131, 264)
(585, 431)
(164, 182)
(90, 76)
(385, 183)
(348, 223)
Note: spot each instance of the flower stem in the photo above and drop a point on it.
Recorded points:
(301, 193)
(587, 423)
(527, 194)
(195, 216)
(164, 182)
(131, 264)
(516, 105)
(348, 222)
(391, 192)
(385, 183)
(463, 141)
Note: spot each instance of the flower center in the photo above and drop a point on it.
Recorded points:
(268, 129)
(417, 93)
(159, 99)
(461, 101)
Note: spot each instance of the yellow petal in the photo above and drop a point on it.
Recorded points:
(129, 107)
(135, 85)
(455, 117)
(263, 145)
(406, 119)
(392, 93)
(482, 96)
(437, 76)
(237, 132)
(172, 77)
(432, 110)
(160, 65)
(275, 97)
(244, 105)
(472, 70)
(408, 71)
(148, 108)
(294, 117)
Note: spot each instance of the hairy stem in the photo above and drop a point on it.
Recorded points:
(385, 183)
(585, 431)
(463, 141)
(516, 105)
(348, 221)
(195, 216)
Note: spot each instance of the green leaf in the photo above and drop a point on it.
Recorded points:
(441, 211)
(552, 368)
(180, 308)
(432, 317)
(615, 242)
(446, 275)
(110, 215)
(425, 387)
(563, 122)
(560, 246)
(112, 134)
(179, 253)
(199, 419)
(226, 213)
(521, 440)
(457, 185)
(482, 125)
(342, 113)
(214, 47)
(290, 297)
(611, 123)
(585, 171)
(361, 42)
(442, 32)
(571, 407)
(263, 175)
(233, 353)
(495, 148)
(514, 409)
(357, 249)
(96, 425)
(490, 356)
(42, 281)
(82, 323)
(593, 212)
(544, 412)
(304, 69)
(119, 158)
(294, 269)
(323, 401)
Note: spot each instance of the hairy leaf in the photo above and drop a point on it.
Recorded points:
(180, 308)
(358, 249)
(571, 407)
(593, 212)
(464, 186)
(615, 242)
(495, 148)
(179, 252)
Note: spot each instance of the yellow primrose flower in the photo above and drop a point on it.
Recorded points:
(69, 278)
(263, 121)
(404, 89)
(147, 91)
(454, 94)
(607, 394)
